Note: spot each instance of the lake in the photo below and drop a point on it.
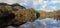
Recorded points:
(45, 23)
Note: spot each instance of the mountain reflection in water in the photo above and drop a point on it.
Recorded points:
(45, 23)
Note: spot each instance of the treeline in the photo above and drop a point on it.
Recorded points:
(54, 14)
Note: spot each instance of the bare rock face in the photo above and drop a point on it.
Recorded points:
(16, 15)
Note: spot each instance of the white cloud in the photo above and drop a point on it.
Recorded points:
(34, 3)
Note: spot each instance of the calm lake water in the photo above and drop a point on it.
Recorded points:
(45, 23)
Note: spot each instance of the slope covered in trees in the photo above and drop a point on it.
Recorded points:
(16, 15)
(54, 14)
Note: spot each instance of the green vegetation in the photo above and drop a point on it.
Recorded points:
(16, 14)
(53, 14)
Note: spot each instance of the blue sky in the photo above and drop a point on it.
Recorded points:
(52, 6)
(37, 4)
(27, 6)
(38, 7)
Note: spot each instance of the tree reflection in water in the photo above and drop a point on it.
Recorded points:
(45, 23)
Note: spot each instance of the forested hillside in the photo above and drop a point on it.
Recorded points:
(54, 14)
